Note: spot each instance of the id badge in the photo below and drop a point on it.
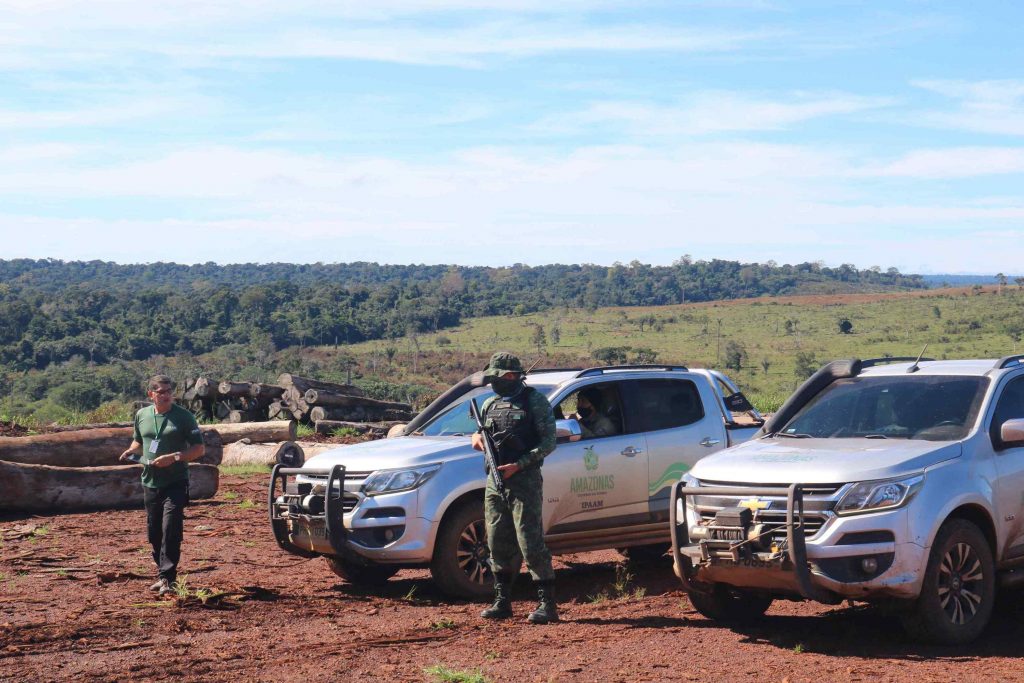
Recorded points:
(153, 445)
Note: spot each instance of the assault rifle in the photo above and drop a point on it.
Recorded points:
(492, 462)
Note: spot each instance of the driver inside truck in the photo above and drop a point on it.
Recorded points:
(589, 411)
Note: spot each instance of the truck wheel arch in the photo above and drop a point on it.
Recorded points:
(979, 517)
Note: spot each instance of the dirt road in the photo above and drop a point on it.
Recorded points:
(74, 607)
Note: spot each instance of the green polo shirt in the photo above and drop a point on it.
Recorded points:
(177, 430)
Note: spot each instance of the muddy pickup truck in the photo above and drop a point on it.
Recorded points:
(884, 481)
(416, 500)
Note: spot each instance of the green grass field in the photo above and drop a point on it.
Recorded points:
(773, 333)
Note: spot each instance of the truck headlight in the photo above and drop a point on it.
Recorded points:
(406, 479)
(872, 496)
(688, 480)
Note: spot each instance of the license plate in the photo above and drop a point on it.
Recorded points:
(306, 534)
(747, 562)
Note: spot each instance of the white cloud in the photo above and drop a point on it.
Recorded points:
(712, 112)
(994, 107)
(954, 162)
(735, 200)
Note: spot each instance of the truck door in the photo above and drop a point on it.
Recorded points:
(1009, 488)
(599, 481)
(681, 424)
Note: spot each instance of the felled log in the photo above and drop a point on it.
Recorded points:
(376, 429)
(55, 429)
(265, 392)
(206, 388)
(286, 452)
(322, 397)
(42, 488)
(277, 410)
(312, 449)
(305, 383)
(86, 448)
(255, 432)
(234, 389)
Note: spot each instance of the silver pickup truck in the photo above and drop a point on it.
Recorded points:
(416, 500)
(883, 481)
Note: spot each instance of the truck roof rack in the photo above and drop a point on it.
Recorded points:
(539, 370)
(1007, 361)
(871, 362)
(590, 372)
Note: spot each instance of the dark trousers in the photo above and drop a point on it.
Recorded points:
(165, 521)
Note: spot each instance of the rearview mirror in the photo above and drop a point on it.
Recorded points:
(1011, 433)
(568, 430)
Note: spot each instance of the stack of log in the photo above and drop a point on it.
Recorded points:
(309, 401)
(232, 402)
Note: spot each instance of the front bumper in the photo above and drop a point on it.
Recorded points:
(825, 566)
(384, 528)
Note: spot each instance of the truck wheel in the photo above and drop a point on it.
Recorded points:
(361, 574)
(728, 604)
(959, 587)
(460, 567)
(647, 556)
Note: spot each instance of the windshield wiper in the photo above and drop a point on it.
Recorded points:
(875, 436)
(794, 436)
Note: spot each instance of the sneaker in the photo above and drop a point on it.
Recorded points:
(159, 585)
(165, 589)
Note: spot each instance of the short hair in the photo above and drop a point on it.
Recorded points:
(157, 381)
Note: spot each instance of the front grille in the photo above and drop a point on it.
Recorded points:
(809, 489)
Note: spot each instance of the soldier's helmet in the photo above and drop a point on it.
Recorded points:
(503, 362)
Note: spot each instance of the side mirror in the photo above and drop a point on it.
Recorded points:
(1011, 433)
(569, 430)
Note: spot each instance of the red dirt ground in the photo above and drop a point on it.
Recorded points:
(74, 605)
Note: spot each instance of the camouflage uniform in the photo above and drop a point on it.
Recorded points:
(515, 526)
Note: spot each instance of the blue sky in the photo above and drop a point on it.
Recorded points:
(502, 131)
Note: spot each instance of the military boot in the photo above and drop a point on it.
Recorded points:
(547, 610)
(502, 607)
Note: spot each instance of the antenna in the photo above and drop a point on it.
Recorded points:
(531, 367)
(913, 368)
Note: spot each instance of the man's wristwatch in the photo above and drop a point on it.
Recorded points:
(177, 457)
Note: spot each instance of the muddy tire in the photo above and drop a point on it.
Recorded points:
(647, 556)
(459, 567)
(730, 605)
(959, 587)
(361, 574)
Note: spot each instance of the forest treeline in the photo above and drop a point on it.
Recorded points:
(53, 311)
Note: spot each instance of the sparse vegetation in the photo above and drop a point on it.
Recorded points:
(442, 624)
(243, 470)
(443, 674)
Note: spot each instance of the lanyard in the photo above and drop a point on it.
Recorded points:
(159, 432)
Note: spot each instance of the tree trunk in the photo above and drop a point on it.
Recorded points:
(255, 432)
(265, 392)
(41, 488)
(261, 453)
(206, 388)
(56, 429)
(86, 448)
(376, 429)
(322, 397)
(304, 383)
(234, 389)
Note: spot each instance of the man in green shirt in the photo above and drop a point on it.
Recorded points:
(166, 439)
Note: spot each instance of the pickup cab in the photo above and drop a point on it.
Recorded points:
(895, 481)
(416, 499)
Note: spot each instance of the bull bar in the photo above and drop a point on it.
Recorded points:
(796, 543)
(333, 512)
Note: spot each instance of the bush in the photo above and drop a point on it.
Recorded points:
(76, 396)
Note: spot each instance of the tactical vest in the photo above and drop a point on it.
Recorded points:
(511, 427)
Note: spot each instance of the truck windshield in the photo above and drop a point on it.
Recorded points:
(455, 420)
(933, 408)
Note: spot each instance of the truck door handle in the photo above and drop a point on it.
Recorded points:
(708, 442)
(630, 451)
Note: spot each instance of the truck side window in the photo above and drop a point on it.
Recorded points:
(601, 402)
(664, 404)
(1010, 406)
